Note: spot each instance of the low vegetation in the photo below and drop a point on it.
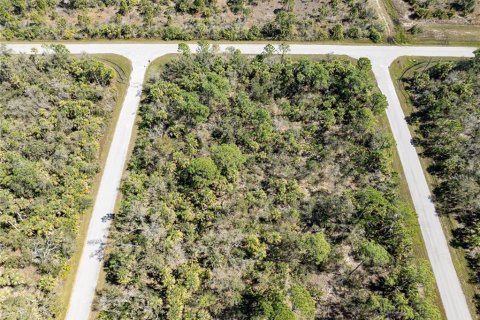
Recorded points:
(188, 19)
(442, 10)
(262, 188)
(445, 22)
(446, 101)
(53, 113)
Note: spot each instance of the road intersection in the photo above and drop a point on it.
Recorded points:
(141, 55)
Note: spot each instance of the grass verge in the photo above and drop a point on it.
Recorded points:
(448, 34)
(122, 67)
(401, 67)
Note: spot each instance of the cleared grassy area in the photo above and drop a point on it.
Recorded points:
(401, 67)
(122, 67)
(448, 34)
(156, 65)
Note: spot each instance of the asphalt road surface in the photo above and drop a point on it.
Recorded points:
(141, 55)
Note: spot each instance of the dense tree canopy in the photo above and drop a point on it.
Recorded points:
(262, 188)
(446, 101)
(189, 19)
(53, 111)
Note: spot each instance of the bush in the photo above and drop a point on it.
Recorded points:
(303, 301)
(317, 248)
(229, 159)
(201, 173)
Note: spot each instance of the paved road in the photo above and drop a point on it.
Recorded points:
(381, 56)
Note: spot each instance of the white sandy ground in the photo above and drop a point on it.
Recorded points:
(141, 55)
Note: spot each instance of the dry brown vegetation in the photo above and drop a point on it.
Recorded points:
(188, 19)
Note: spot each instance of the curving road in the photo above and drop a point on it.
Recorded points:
(140, 55)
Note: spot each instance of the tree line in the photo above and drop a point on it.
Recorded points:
(53, 113)
(189, 19)
(262, 188)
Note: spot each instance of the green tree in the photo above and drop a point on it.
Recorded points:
(303, 301)
(229, 159)
(476, 59)
(317, 248)
(254, 247)
(336, 33)
(373, 254)
(467, 6)
(364, 64)
(276, 310)
(201, 173)
(283, 27)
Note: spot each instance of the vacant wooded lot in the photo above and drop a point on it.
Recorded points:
(446, 113)
(189, 19)
(53, 113)
(262, 188)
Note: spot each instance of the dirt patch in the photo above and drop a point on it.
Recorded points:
(384, 16)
